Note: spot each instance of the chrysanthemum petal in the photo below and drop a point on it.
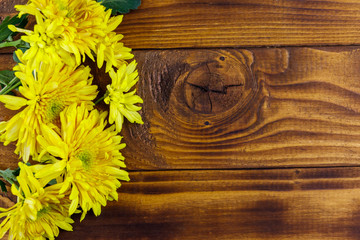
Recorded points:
(40, 210)
(91, 167)
(121, 174)
(43, 101)
(70, 29)
(13, 102)
(73, 206)
(64, 225)
(52, 170)
(122, 103)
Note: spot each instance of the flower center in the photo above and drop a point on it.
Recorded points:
(53, 109)
(42, 212)
(114, 95)
(86, 158)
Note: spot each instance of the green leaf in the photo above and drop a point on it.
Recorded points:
(16, 172)
(8, 81)
(3, 186)
(6, 76)
(10, 43)
(13, 84)
(120, 6)
(5, 32)
(8, 175)
(16, 59)
(52, 182)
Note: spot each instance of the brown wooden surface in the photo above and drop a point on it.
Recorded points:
(238, 142)
(234, 23)
(231, 204)
(280, 107)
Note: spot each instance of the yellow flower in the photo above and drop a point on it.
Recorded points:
(39, 212)
(65, 30)
(86, 155)
(46, 92)
(110, 49)
(122, 102)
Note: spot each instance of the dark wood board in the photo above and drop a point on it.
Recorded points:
(302, 203)
(235, 23)
(238, 23)
(252, 204)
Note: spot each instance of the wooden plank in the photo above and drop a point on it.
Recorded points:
(6, 61)
(261, 204)
(239, 23)
(238, 108)
(234, 108)
(7, 7)
(236, 23)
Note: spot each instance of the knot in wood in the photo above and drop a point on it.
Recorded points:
(216, 84)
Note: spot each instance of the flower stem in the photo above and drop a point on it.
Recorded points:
(10, 44)
(102, 98)
(14, 83)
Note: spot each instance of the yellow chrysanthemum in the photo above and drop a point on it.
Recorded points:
(65, 30)
(87, 156)
(110, 49)
(113, 52)
(39, 212)
(122, 102)
(46, 92)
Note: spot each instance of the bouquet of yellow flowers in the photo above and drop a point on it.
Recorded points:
(77, 153)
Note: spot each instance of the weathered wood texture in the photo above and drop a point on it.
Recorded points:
(253, 204)
(318, 203)
(236, 23)
(233, 23)
(247, 108)
(255, 108)
(7, 7)
(216, 109)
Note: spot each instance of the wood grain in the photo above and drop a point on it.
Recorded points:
(245, 108)
(238, 142)
(254, 108)
(236, 23)
(239, 23)
(7, 7)
(252, 204)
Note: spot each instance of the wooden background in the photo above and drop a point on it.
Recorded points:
(252, 122)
